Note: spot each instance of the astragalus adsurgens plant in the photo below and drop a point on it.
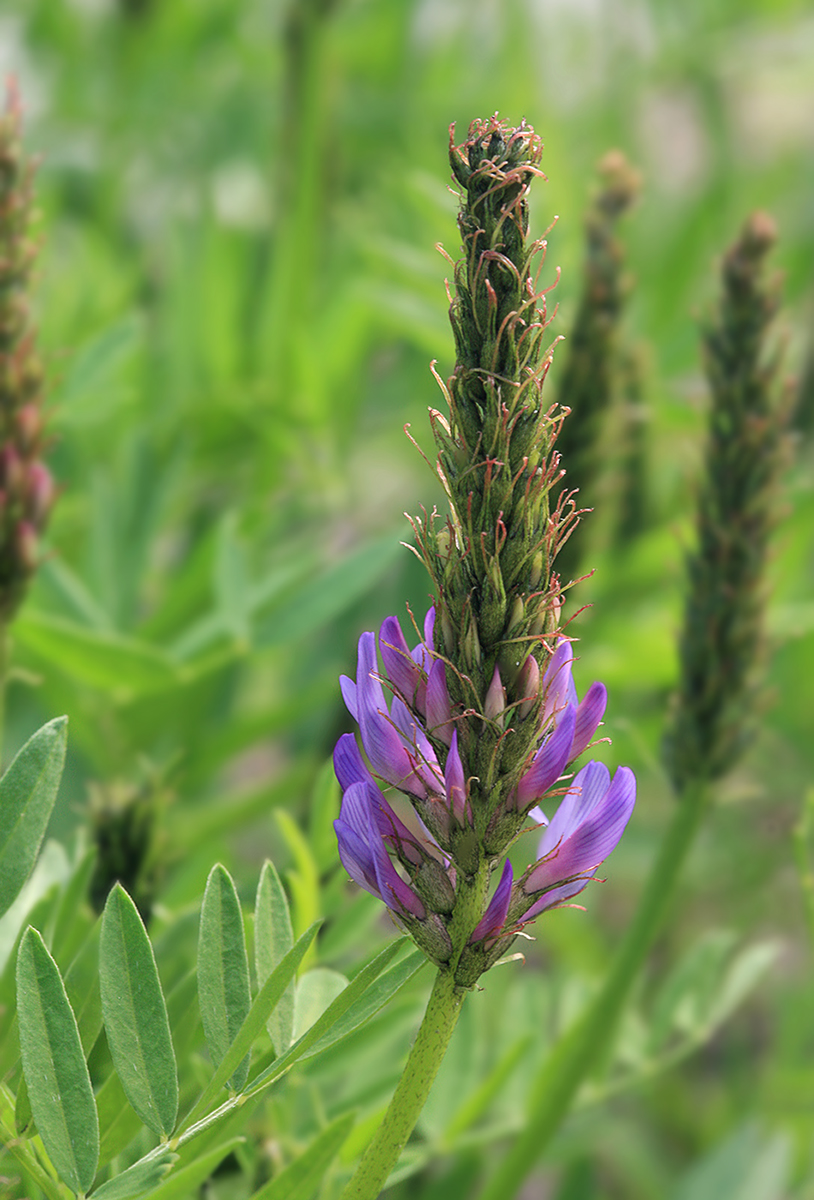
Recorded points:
(477, 724)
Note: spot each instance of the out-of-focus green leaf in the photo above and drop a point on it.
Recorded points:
(54, 1065)
(74, 919)
(231, 581)
(135, 1015)
(273, 938)
(316, 989)
(28, 790)
(747, 1166)
(97, 658)
(348, 1010)
(330, 594)
(300, 1180)
(374, 997)
(90, 391)
(304, 881)
(224, 994)
(323, 809)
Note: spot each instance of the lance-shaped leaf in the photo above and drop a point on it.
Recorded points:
(185, 1181)
(55, 1069)
(224, 994)
(268, 996)
(273, 938)
(27, 794)
(350, 1008)
(143, 1176)
(300, 1180)
(135, 1015)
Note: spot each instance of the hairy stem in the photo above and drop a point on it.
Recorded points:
(429, 1048)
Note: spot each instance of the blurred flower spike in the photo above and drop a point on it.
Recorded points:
(477, 724)
(26, 487)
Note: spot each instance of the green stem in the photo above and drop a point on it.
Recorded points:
(425, 1058)
(585, 1044)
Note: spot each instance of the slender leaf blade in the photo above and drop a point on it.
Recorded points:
(144, 1175)
(300, 1179)
(273, 938)
(186, 1181)
(55, 1069)
(27, 794)
(321, 1034)
(224, 993)
(268, 996)
(135, 1015)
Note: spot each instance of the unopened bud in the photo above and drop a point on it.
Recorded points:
(40, 494)
(29, 427)
(495, 704)
(528, 685)
(26, 545)
(536, 573)
(434, 886)
(471, 646)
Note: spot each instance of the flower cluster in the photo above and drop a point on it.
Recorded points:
(476, 724)
(408, 732)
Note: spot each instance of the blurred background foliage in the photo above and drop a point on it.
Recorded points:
(238, 299)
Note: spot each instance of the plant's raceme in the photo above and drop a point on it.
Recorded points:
(476, 723)
(26, 487)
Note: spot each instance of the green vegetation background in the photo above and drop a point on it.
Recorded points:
(238, 299)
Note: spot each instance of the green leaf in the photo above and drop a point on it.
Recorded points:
(135, 1015)
(143, 1175)
(118, 1122)
(347, 1011)
(304, 882)
(747, 1166)
(224, 994)
(54, 1065)
(96, 657)
(369, 1001)
(27, 794)
(331, 593)
(231, 581)
(188, 1180)
(273, 938)
(300, 1180)
(268, 996)
(315, 991)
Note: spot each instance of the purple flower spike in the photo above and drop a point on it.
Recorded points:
(549, 762)
(589, 717)
(492, 920)
(585, 829)
(365, 858)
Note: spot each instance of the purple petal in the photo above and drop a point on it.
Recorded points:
(589, 715)
(365, 857)
(429, 627)
(455, 783)
(380, 738)
(589, 830)
(548, 763)
(558, 685)
(348, 688)
(587, 789)
(495, 702)
(492, 920)
(405, 675)
(558, 895)
(439, 708)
